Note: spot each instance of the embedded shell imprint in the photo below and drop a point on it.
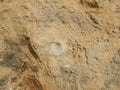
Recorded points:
(57, 48)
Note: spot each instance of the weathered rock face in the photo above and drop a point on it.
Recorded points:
(59, 44)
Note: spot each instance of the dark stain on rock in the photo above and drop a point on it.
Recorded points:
(9, 42)
(12, 45)
(9, 60)
(119, 52)
(15, 48)
(1, 0)
(35, 69)
(3, 81)
(13, 79)
(15, 67)
(33, 84)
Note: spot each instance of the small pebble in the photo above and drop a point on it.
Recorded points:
(95, 19)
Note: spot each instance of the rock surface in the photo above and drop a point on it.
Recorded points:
(59, 44)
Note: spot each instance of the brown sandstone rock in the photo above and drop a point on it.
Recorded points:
(59, 45)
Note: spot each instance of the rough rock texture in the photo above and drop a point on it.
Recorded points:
(59, 44)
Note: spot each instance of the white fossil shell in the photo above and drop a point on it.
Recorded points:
(57, 48)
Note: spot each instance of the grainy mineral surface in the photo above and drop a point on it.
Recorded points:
(59, 44)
